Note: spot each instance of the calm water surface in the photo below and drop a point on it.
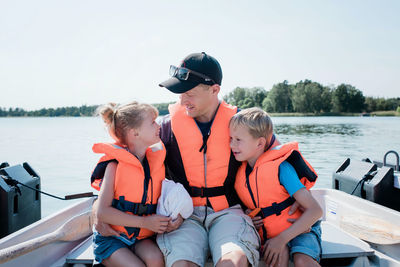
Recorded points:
(59, 149)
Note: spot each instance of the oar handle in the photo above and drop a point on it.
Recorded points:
(12, 252)
(76, 228)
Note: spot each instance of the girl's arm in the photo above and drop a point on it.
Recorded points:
(108, 214)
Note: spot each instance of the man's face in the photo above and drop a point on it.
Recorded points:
(197, 100)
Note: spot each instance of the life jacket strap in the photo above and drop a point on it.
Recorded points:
(276, 208)
(139, 209)
(207, 191)
(136, 208)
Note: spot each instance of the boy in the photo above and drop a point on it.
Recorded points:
(270, 179)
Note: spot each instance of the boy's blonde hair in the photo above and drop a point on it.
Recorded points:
(121, 118)
(256, 120)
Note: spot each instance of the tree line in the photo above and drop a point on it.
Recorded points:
(303, 97)
(82, 111)
(310, 97)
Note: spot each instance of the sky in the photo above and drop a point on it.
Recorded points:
(76, 52)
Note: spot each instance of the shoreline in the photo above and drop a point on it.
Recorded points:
(283, 114)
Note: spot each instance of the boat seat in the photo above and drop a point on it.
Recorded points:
(336, 244)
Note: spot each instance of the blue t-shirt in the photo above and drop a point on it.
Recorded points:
(289, 178)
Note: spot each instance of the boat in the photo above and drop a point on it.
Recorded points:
(355, 232)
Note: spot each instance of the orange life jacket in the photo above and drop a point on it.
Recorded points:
(262, 188)
(206, 161)
(136, 189)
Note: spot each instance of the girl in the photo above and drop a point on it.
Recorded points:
(130, 174)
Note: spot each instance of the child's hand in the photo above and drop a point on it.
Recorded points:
(274, 250)
(257, 220)
(156, 223)
(173, 225)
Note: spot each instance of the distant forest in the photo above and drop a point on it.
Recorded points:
(303, 97)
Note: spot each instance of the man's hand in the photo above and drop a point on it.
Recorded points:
(105, 229)
(257, 220)
(294, 208)
(173, 225)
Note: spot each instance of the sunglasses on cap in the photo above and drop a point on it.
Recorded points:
(185, 74)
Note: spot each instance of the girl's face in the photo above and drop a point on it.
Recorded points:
(149, 131)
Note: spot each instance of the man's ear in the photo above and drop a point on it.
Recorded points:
(215, 89)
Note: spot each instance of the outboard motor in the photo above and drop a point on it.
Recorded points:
(19, 205)
(375, 181)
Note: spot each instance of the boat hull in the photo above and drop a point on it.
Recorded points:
(336, 205)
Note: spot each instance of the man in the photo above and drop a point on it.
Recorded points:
(196, 136)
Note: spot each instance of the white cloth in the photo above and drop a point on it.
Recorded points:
(174, 200)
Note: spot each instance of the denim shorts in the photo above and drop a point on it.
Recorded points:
(307, 243)
(104, 246)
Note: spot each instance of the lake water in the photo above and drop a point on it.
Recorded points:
(59, 149)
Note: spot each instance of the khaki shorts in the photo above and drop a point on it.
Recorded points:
(223, 232)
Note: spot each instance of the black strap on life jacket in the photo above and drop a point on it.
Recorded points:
(139, 209)
(100, 169)
(147, 178)
(207, 191)
(277, 208)
(248, 171)
(301, 167)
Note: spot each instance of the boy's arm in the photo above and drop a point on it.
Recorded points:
(312, 212)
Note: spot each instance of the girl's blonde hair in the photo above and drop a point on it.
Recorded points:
(121, 118)
(256, 120)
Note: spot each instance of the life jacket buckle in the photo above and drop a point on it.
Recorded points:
(276, 209)
(142, 209)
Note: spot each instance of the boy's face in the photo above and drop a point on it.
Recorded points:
(244, 146)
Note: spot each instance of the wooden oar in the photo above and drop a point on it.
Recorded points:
(371, 229)
(76, 228)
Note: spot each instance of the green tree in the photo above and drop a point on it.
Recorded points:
(279, 98)
(246, 97)
(162, 108)
(311, 96)
(370, 104)
(346, 98)
(236, 96)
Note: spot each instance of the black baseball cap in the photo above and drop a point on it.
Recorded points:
(197, 62)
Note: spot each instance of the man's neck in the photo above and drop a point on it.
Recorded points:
(209, 114)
